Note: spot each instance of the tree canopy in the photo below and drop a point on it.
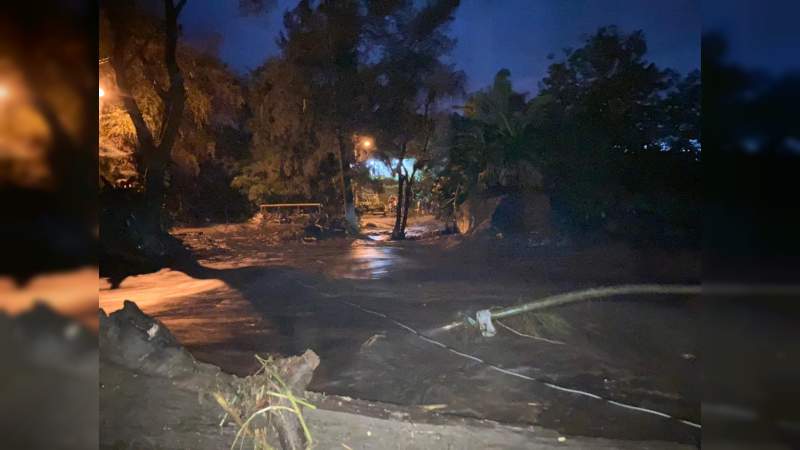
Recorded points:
(611, 137)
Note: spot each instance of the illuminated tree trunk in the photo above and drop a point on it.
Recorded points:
(345, 159)
(397, 231)
(409, 195)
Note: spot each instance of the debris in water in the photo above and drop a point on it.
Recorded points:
(374, 338)
(433, 407)
(151, 332)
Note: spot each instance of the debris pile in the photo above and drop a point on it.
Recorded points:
(264, 409)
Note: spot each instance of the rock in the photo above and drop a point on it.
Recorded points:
(132, 339)
(510, 213)
(475, 214)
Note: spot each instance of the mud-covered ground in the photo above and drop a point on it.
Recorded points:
(255, 294)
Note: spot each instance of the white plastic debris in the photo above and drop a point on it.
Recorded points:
(151, 333)
(484, 318)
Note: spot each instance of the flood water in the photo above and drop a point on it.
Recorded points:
(287, 298)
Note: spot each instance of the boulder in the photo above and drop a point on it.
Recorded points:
(475, 214)
(528, 212)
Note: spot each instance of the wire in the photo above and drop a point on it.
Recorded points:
(336, 298)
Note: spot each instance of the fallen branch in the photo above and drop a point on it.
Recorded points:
(635, 289)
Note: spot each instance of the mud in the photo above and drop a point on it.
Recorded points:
(154, 395)
(256, 297)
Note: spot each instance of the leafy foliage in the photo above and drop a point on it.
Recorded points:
(610, 136)
(346, 68)
(210, 127)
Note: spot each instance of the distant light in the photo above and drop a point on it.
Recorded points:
(102, 92)
(3, 92)
(366, 142)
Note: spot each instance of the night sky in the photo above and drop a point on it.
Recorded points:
(516, 34)
(760, 35)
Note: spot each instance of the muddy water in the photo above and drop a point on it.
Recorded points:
(284, 299)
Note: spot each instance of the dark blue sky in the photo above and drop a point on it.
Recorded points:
(760, 34)
(516, 34)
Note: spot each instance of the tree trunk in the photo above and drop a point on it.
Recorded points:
(152, 156)
(409, 194)
(398, 232)
(153, 149)
(154, 193)
(347, 184)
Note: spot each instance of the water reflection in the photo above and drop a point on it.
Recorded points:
(365, 260)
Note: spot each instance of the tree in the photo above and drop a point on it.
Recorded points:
(346, 68)
(490, 151)
(409, 80)
(610, 137)
(612, 142)
(154, 141)
(322, 44)
(292, 145)
(210, 133)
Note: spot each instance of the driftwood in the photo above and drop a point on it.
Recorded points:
(139, 353)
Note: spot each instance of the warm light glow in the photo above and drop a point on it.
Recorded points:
(366, 142)
(102, 92)
(3, 92)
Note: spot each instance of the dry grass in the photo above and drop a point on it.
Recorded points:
(263, 405)
(540, 324)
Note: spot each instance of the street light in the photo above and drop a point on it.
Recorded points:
(102, 92)
(366, 142)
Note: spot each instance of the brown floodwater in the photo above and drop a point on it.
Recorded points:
(258, 298)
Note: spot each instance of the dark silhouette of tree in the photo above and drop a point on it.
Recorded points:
(612, 138)
(154, 141)
(751, 139)
(348, 68)
(172, 119)
(409, 80)
(322, 44)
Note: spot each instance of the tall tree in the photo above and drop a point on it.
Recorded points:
(210, 132)
(153, 142)
(346, 68)
(292, 146)
(322, 43)
(609, 135)
(409, 81)
(612, 138)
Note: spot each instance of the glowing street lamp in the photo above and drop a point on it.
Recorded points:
(366, 142)
(102, 92)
